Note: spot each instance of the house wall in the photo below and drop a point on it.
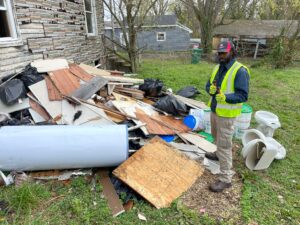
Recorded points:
(177, 39)
(52, 29)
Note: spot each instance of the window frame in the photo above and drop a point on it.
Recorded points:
(15, 38)
(165, 36)
(93, 16)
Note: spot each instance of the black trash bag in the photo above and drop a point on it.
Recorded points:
(171, 105)
(188, 92)
(30, 76)
(152, 87)
(15, 122)
(11, 91)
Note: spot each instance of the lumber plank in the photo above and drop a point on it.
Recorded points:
(200, 142)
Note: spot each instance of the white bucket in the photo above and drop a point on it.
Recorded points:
(242, 122)
(198, 114)
(207, 123)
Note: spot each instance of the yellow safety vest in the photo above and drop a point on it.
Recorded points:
(225, 109)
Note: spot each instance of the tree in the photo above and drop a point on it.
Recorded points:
(160, 8)
(130, 16)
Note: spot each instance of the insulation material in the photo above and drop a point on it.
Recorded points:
(62, 147)
(159, 173)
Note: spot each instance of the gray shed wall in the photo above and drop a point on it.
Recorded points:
(52, 29)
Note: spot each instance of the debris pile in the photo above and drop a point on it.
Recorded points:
(112, 121)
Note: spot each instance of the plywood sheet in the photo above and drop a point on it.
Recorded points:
(94, 71)
(53, 92)
(159, 173)
(154, 127)
(64, 81)
(80, 73)
(200, 142)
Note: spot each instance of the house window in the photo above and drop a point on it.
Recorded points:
(8, 29)
(161, 36)
(90, 16)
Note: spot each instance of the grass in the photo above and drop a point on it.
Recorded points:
(80, 202)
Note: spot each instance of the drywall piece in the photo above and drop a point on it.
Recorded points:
(159, 172)
(260, 156)
(87, 90)
(110, 194)
(48, 65)
(54, 108)
(192, 103)
(200, 142)
(94, 71)
(37, 118)
(64, 81)
(80, 73)
(15, 107)
(191, 151)
(53, 92)
(62, 147)
(90, 115)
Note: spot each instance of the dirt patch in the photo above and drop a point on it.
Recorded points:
(223, 206)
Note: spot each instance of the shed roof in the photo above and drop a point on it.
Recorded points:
(256, 28)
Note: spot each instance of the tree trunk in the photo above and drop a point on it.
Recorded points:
(206, 36)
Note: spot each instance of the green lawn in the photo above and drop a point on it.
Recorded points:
(277, 91)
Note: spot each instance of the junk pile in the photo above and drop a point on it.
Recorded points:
(76, 117)
(260, 148)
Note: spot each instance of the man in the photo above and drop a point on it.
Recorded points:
(228, 87)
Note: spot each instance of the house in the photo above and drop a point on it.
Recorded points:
(253, 36)
(161, 33)
(40, 29)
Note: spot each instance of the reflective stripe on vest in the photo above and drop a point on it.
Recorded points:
(225, 109)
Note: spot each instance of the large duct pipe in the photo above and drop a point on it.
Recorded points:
(31, 148)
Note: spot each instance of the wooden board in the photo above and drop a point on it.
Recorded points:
(53, 92)
(110, 194)
(64, 81)
(40, 111)
(154, 127)
(93, 70)
(200, 142)
(159, 173)
(192, 103)
(80, 73)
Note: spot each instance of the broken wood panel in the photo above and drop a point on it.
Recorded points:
(200, 142)
(94, 70)
(87, 90)
(110, 194)
(80, 73)
(159, 172)
(64, 81)
(192, 103)
(53, 92)
(39, 109)
(154, 127)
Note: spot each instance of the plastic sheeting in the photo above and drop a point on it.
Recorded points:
(26, 148)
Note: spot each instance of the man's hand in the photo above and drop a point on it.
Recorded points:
(221, 97)
(212, 89)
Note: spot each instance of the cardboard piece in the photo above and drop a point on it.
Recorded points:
(159, 172)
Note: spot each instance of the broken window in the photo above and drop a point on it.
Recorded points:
(161, 36)
(90, 16)
(8, 29)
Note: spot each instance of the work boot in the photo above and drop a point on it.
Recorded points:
(219, 186)
(212, 156)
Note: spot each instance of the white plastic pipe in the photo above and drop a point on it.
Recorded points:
(26, 148)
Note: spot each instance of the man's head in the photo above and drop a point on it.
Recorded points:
(226, 51)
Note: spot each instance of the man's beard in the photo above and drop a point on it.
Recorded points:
(225, 60)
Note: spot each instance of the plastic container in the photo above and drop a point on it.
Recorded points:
(167, 138)
(242, 122)
(207, 123)
(196, 55)
(191, 122)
